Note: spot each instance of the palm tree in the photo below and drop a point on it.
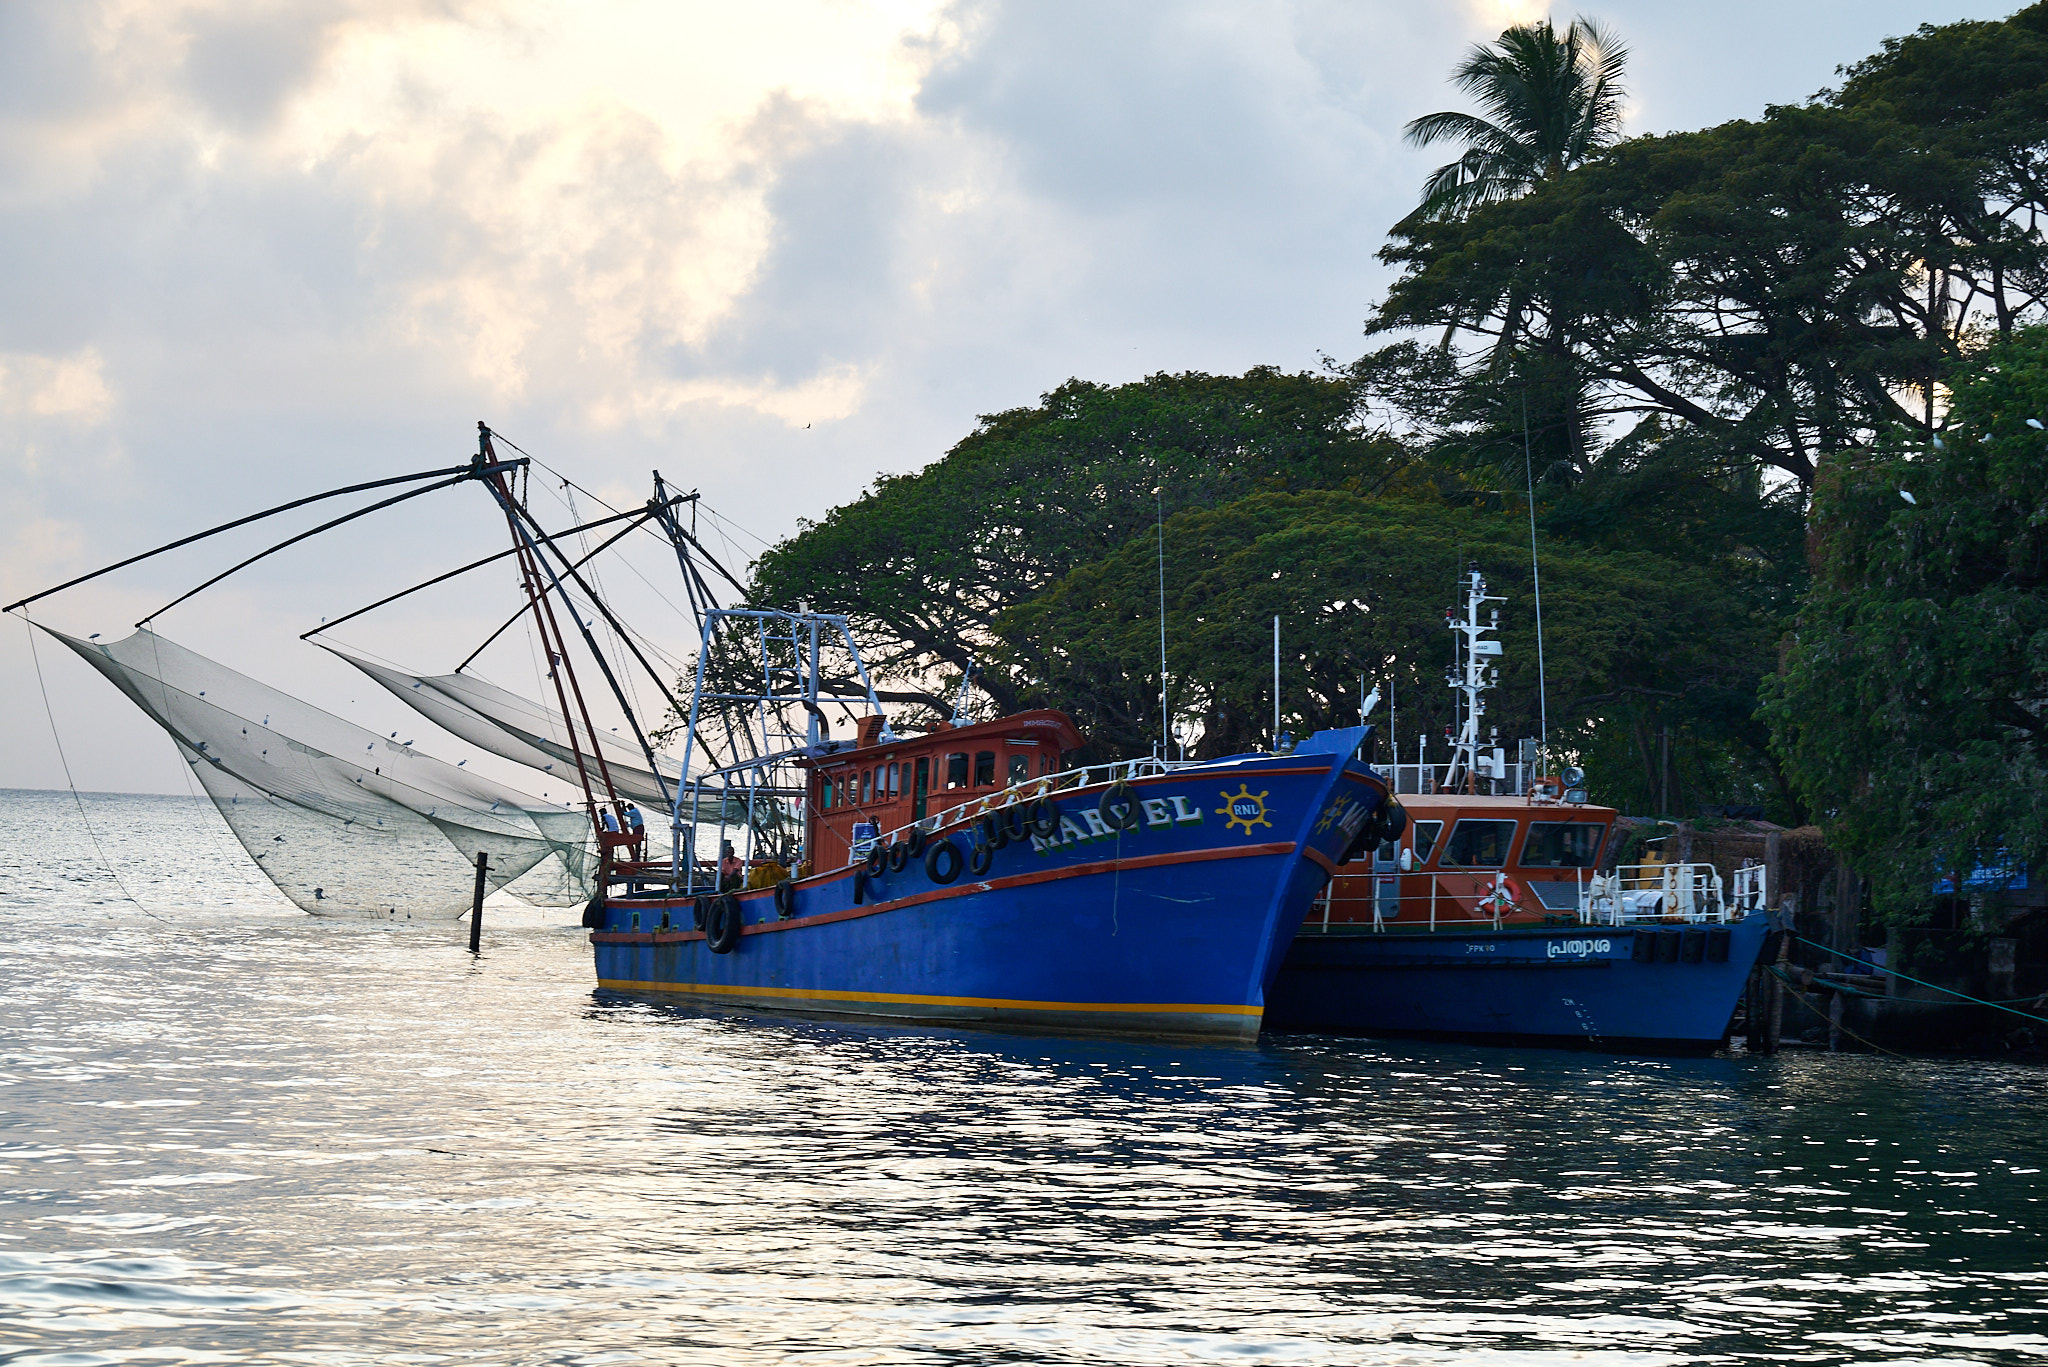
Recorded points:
(1550, 100)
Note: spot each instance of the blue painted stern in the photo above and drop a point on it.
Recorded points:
(1648, 987)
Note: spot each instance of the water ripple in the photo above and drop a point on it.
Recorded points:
(290, 1140)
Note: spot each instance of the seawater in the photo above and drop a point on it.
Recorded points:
(232, 1133)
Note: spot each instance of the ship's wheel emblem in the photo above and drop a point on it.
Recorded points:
(1244, 808)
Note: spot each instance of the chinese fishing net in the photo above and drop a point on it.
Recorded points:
(343, 821)
(506, 724)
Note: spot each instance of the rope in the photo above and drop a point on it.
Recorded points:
(1833, 1024)
(83, 820)
(1975, 1001)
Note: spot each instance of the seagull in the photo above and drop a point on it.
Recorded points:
(1909, 498)
(2034, 423)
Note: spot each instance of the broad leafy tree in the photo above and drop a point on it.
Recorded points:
(1783, 288)
(925, 563)
(1361, 585)
(1912, 704)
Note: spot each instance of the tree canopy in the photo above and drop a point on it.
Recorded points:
(1361, 585)
(1778, 289)
(1912, 703)
(925, 563)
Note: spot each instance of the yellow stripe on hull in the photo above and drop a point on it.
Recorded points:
(914, 999)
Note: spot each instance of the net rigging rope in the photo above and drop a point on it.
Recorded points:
(69, 783)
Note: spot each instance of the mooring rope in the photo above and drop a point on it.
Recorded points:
(1978, 1001)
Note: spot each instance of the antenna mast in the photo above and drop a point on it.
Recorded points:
(1165, 717)
(1476, 670)
(1536, 580)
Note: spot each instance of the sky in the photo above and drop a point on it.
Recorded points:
(250, 251)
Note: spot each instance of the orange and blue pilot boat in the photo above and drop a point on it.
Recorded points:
(1492, 908)
(971, 874)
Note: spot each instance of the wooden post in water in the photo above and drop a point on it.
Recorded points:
(1764, 1007)
(476, 906)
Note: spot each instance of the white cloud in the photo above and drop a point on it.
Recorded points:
(73, 387)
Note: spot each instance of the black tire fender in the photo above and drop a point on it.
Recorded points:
(1369, 835)
(1393, 819)
(722, 935)
(1045, 817)
(992, 833)
(899, 857)
(860, 885)
(785, 899)
(918, 838)
(1119, 797)
(979, 862)
(1016, 820)
(943, 851)
(878, 859)
(700, 913)
(593, 913)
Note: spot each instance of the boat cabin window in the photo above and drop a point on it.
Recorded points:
(867, 785)
(984, 768)
(1561, 845)
(1045, 764)
(894, 789)
(1020, 768)
(922, 787)
(1426, 833)
(956, 769)
(1479, 844)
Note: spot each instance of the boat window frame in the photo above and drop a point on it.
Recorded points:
(966, 771)
(1529, 839)
(1423, 850)
(984, 762)
(1507, 847)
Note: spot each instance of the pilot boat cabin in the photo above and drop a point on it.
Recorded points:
(1467, 860)
(870, 786)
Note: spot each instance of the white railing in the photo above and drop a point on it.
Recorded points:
(1067, 780)
(1687, 893)
(1514, 781)
(1639, 894)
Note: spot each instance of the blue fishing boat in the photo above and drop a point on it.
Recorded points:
(970, 874)
(1499, 915)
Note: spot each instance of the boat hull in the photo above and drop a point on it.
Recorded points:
(1578, 986)
(1173, 928)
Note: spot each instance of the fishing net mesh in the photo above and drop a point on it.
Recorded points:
(518, 729)
(342, 820)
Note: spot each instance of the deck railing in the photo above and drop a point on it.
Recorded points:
(1067, 780)
(1430, 778)
(1638, 894)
